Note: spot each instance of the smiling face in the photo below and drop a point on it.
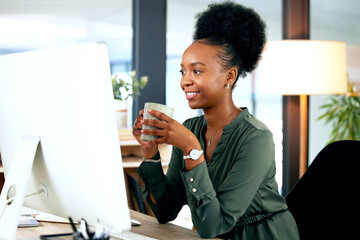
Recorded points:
(203, 79)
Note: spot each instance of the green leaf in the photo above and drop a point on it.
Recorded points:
(131, 88)
(344, 114)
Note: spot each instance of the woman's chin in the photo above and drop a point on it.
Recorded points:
(192, 105)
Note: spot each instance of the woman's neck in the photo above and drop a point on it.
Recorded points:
(218, 117)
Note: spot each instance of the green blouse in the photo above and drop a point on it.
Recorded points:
(234, 195)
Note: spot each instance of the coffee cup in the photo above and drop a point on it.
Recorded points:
(154, 106)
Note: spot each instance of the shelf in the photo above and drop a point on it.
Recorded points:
(134, 162)
(131, 142)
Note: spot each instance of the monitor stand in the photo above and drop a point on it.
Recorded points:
(16, 183)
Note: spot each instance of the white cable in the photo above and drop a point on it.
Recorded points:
(42, 189)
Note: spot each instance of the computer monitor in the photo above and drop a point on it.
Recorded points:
(57, 105)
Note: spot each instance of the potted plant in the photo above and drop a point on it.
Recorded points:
(343, 111)
(125, 86)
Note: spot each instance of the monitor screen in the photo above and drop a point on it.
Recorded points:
(64, 97)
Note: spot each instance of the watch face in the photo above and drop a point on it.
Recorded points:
(195, 154)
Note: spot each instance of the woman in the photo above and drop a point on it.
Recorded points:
(222, 164)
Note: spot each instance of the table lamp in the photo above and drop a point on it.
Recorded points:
(302, 67)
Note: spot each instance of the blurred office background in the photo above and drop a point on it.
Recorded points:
(35, 24)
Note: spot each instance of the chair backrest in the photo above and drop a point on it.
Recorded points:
(325, 202)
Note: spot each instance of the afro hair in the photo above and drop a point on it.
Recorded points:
(239, 28)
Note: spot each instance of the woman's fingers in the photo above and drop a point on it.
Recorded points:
(154, 123)
(138, 124)
(161, 122)
(160, 115)
(156, 132)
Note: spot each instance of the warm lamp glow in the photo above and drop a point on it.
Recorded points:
(296, 67)
(302, 67)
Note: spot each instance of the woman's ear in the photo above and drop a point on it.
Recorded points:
(231, 76)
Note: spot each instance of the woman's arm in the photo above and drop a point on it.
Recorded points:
(216, 213)
(164, 193)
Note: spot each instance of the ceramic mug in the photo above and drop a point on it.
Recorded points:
(154, 106)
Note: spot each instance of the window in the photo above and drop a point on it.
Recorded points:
(38, 24)
(333, 20)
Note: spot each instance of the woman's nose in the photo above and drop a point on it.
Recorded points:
(185, 80)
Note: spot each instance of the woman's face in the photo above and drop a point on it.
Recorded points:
(203, 77)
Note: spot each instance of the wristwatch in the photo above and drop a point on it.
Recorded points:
(194, 154)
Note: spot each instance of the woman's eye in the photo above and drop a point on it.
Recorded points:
(181, 72)
(196, 71)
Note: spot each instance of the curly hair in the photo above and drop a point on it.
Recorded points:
(238, 30)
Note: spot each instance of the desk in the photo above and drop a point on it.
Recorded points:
(149, 227)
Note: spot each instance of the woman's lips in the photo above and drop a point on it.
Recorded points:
(191, 95)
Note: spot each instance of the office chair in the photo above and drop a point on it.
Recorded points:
(138, 203)
(325, 202)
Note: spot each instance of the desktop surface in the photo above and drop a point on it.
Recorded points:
(149, 227)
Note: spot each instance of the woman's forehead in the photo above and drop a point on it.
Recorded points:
(202, 53)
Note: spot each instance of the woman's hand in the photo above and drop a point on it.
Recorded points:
(170, 131)
(149, 148)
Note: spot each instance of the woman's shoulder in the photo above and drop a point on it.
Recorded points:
(248, 128)
(256, 123)
(245, 118)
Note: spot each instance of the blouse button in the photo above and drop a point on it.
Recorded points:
(191, 179)
(194, 189)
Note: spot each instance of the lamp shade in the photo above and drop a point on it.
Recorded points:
(297, 67)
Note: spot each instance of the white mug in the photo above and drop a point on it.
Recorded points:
(154, 106)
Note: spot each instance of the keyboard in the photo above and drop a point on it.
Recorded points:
(127, 235)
